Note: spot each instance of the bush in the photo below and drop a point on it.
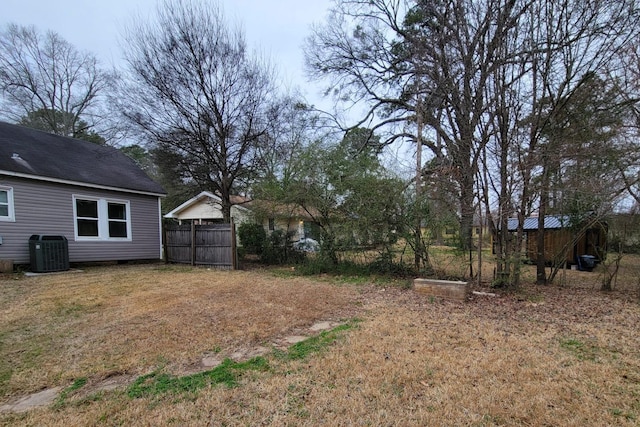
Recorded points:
(274, 248)
(252, 238)
(383, 266)
(279, 249)
(386, 266)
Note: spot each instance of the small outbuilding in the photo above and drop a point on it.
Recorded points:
(586, 239)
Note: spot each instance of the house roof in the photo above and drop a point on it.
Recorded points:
(29, 153)
(550, 222)
(237, 201)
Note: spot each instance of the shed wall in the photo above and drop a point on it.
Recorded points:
(554, 242)
(47, 208)
(592, 242)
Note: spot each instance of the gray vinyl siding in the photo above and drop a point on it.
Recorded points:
(47, 208)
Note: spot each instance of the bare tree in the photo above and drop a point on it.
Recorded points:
(45, 75)
(420, 62)
(569, 41)
(490, 79)
(199, 94)
(625, 69)
(498, 177)
(555, 142)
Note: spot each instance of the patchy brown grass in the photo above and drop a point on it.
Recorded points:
(109, 321)
(541, 356)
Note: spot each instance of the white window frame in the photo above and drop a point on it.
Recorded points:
(12, 213)
(103, 219)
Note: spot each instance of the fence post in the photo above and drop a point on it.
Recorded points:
(193, 243)
(234, 252)
(165, 246)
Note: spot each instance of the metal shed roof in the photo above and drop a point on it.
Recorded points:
(550, 222)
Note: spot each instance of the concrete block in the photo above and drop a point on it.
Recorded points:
(448, 289)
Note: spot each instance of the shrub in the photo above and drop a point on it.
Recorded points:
(252, 238)
(386, 266)
(279, 249)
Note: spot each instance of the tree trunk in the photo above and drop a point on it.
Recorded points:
(226, 212)
(418, 252)
(466, 216)
(541, 275)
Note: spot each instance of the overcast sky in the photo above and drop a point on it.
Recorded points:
(276, 28)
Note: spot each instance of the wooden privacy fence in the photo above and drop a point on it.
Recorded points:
(212, 244)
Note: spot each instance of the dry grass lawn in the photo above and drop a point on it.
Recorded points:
(543, 356)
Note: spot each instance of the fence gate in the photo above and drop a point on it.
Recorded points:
(212, 244)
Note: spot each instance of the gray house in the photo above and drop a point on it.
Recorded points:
(95, 196)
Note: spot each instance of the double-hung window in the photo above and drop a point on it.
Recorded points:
(117, 217)
(6, 204)
(101, 219)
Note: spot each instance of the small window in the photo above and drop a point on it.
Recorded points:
(101, 219)
(87, 217)
(117, 220)
(272, 224)
(477, 231)
(6, 204)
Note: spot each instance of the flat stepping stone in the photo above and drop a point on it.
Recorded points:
(42, 398)
(322, 326)
(237, 356)
(108, 384)
(113, 383)
(211, 361)
(258, 351)
(294, 339)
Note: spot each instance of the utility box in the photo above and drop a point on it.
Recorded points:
(48, 253)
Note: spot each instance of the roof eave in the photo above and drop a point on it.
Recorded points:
(174, 212)
(192, 201)
(79, 184)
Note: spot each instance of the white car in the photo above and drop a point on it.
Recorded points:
(306, 245)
